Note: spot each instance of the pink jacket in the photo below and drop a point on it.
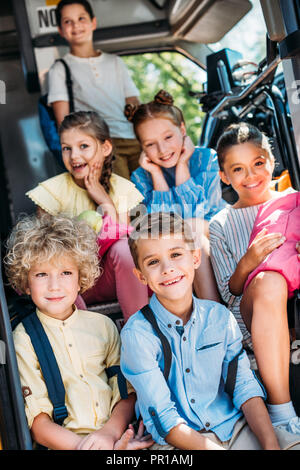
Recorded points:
(280, 215)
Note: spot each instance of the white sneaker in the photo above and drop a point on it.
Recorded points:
(287, 440)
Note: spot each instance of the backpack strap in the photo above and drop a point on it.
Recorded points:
(296, 302)
(49, 366)
(69, 84)
(149, 315)
(231, 374)
(116, 370)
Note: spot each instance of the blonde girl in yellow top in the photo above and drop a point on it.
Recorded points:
(89, 184)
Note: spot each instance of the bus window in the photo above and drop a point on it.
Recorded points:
(175, 73)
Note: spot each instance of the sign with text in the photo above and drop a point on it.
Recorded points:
(46, 19)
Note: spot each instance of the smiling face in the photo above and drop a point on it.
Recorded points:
(76, 25)
(161, 140)
(248, 168)
(53, 286)
(167, 266)
(80, 151)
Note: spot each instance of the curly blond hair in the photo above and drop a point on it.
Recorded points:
(38, 239)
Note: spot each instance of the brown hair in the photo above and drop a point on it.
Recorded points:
(92, 124)
(155, 225)
(37, 239)
(161, 107)
(64, 3)
(241, 133)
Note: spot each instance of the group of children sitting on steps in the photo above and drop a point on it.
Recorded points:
(191, 253)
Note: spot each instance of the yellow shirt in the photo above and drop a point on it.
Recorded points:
(61, 195)
(84, 346)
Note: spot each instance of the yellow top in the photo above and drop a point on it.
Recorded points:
(84, 346)
(61, 195)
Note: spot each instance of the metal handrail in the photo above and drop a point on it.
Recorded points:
(232, 99)
(18, 437)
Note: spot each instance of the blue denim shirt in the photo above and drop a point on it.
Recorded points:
(201, 352)
(200, 196)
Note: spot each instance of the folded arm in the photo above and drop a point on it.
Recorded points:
(51, 435)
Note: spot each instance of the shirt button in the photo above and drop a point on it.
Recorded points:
(184, 338)
(152, 413)
(188, 370)
(81, 376)
(169, 325)
(97, 404)
(192, 400)
(207, 425)
(177, 322)
(70, 345)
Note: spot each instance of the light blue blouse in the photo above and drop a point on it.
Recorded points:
(200, 196)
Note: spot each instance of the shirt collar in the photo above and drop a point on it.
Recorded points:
(87, 59)
(168, 318)
(50, 321)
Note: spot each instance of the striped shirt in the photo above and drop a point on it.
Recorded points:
(200, 196)
(229, 235)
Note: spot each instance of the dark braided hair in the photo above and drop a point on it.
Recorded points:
(161, 107)
(92, 124)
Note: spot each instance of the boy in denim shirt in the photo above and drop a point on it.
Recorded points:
(191, 410)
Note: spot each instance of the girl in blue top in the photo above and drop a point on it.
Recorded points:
(174, 176)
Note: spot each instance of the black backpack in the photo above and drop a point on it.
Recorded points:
(47, 119)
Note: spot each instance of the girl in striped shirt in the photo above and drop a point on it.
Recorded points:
(174, 176)
(246, 162)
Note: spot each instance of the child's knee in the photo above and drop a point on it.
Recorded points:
(268, 285)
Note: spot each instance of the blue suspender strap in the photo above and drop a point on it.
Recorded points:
(116, 370)
(49, 367)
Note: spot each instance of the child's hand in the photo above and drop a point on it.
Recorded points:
(186, 151)
(92, 183)
(130, 441)
(262, 245)
(147, 164)
(97, 440)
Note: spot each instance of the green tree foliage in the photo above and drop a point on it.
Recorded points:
(174, 73)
